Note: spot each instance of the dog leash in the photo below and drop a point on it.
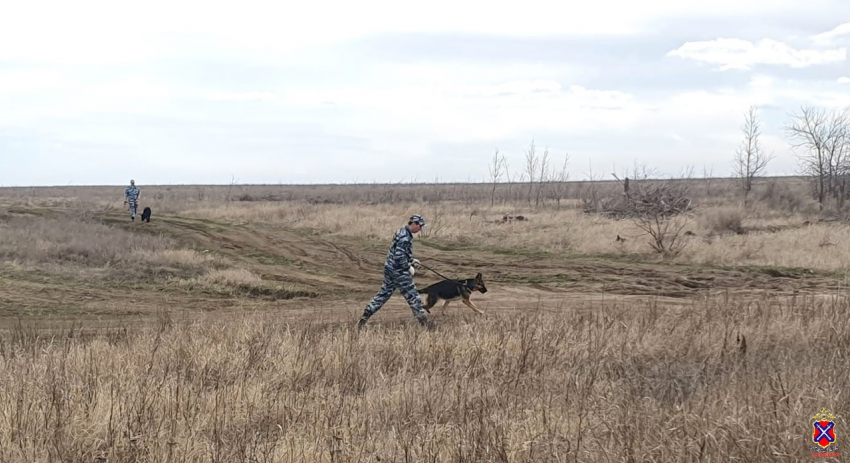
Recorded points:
(438, 273)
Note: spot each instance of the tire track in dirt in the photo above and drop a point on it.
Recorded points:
(586, 274)
(348, 269)
(320, 261)
(278, 254)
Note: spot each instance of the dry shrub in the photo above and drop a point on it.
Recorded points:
(597, 383)
(724, 220)
(784, 197)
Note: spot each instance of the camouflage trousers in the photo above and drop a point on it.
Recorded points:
(132, 207)
(403, 282)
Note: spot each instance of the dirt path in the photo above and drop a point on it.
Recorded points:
(348, 263)
(346, 271)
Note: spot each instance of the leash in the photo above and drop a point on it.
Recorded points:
(438, 273)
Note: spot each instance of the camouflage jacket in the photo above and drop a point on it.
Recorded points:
(400, 255)
(131, 194)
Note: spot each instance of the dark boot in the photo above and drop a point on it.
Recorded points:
(429, 324)
(363, 319)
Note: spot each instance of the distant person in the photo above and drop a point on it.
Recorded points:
(131, 198)
(397, 274)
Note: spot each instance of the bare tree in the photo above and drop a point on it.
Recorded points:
(590, 195)
(838, 150)
(637, 172)
(497, 170)
(531, 163)
(750, 160)
(559, 179)
(542, 175)
(708, 177)
(823, 135)
(688, 172)
(510, 179)
(229, 196)
(664, 231)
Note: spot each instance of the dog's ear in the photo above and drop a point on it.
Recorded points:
(479, 277)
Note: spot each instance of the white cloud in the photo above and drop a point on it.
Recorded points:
(834, 36)
(20, 82)
(516, 87)
(242, 96)
(844, 80)
(743, 54)
(465, 113)
(115, 31)
(761, 81)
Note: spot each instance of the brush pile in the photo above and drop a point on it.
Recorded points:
(657, 200)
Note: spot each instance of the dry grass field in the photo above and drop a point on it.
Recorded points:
(223, 330)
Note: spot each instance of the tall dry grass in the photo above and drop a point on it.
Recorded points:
(86, 250)
(769, 237)
(72, 245)
(595, 383)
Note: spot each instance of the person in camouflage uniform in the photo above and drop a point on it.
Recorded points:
(397, 274)
(131, 198)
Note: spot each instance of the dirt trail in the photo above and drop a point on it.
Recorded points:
(349, 263)
(344, 272)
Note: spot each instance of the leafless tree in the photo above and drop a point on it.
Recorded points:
(750, 160)
(229, 196)
(708, 177)
(688, 172)
(638, 172)
(589, 191)
(542, 175)
(498, 168)
(662, 211)
(823, 137)
(510, 179)
(531, 163)
(559, 180)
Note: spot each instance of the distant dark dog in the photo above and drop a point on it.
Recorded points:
(146, 215)
(452, 290)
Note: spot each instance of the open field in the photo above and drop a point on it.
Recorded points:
(223, 329)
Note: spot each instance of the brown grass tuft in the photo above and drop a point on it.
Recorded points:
(68, 246)
(725, 220)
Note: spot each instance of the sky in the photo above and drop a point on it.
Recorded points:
(328, 91)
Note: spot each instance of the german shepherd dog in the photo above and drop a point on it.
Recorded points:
(452, 290)
(146, 215)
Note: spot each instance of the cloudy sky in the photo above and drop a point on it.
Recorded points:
(98, 92)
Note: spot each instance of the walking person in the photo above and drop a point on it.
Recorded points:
(131, 198)
(397, 274)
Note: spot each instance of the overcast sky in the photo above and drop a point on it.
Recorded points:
(170, 92)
